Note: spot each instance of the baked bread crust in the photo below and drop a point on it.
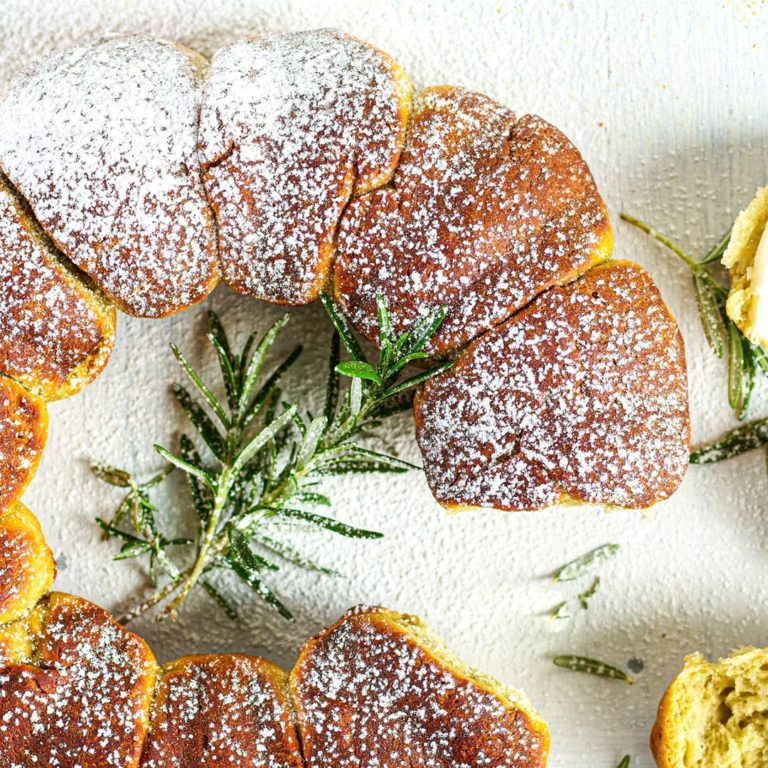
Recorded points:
(116, 181)
(82, 699)
(27, 567)
(56, 333)
(380, 684)
(222, 710)
(484, 212)
(581, 396)
(23, 431)
(292, 125)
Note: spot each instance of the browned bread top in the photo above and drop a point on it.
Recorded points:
(291, 126)
(55, 332)
(82, 699)
(582, 395)
(380, 685)
(484, 212)
(102, 141)
(23, 430)
(221, 710)
(27, 568)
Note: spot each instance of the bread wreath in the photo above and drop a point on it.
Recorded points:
(463, 205)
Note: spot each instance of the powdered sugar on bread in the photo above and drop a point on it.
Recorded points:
(583, 395)
(101, 140)
(485, 211)
(292, 126)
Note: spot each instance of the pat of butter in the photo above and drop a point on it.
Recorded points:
(758, 309)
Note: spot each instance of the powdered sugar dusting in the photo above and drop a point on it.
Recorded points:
(584, 393)
(48, 323)
(485, 211)
(368, 695)
(102, 142)
(291, 126)
(85, 702)
(222, 710)
(23, 427)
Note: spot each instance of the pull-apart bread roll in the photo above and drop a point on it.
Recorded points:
(715, 715)
(79, 696)
(485, 211)
(292, 126)
(27, 568)
(56, 333)
(581, 396)
(380, 689)
(102, 142)
(23, 429)
(222, 710)
(747, 261)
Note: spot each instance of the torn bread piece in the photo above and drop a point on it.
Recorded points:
(56, 332)
(218, 710)
(582, 396)
(746, 259)
(715, 715)
(23, 431)
(292, 125)
(101, 140)
(485, 211)
(383, 685)
(27, 567)
(81, 697)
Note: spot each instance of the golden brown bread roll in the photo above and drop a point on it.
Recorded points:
(27, 568)
(23, 430)
(381, 684)
(715, 715)
(81, 699)
(484, 212)
(56, 333)
(292, 125)
(581, 396)
(102, 142)
(222, 710)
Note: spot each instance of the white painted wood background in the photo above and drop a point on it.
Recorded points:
(668, 102)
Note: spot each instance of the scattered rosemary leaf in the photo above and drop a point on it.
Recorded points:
(624, 762)
(588, 594)
(745, 438)
(561, 611)
(585, 563)
(591, 667)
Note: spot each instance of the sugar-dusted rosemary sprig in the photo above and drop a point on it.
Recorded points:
(745, 359)
(255, 471)
(739, 440)
(591, 667)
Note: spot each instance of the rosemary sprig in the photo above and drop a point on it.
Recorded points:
(745, 438)
(254, 474)
(591, 667)
(744, 357)
(585, 563)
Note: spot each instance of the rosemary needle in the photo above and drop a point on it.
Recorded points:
(585, 563)
(591, 667)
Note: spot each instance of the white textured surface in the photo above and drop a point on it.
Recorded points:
(668, 106)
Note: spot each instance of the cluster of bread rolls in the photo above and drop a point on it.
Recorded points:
(135, 174)
(78, 690)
